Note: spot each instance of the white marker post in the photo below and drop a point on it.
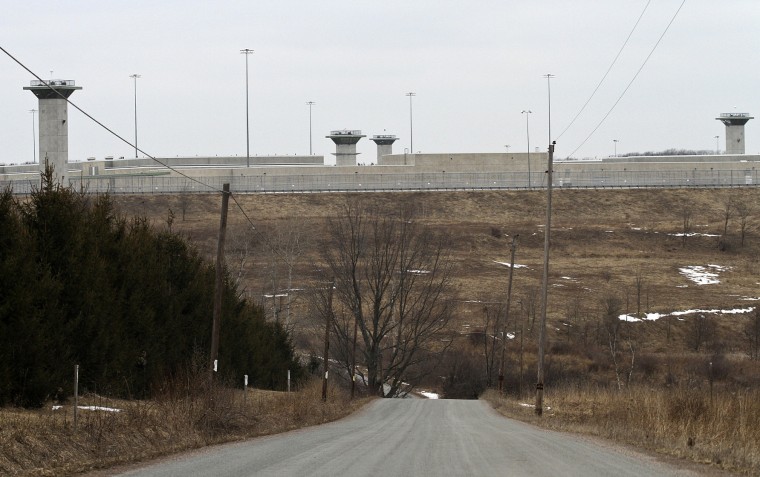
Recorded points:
(245, 386)
(288, 380)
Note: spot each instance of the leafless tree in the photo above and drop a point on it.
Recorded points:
(611, 308)
(392, 275)
(686, 221)
(702, 330)
(752, 333)
(744, 211)
(493, 340)
(728, 213)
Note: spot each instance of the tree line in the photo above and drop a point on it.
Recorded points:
(80, 284)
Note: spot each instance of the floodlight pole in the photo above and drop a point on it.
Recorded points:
(246, 52)
(527, 113)
(310, 104)
(411, 122)
(34, 137)
(135, 76)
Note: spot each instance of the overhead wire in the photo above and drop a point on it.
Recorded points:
(620, 51)
(651, 52)
(126, 141)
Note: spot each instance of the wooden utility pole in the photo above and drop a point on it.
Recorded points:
(513, 247)
(218, 288)
(328, 319)
(544, 287)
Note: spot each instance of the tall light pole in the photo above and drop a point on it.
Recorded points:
(539, 409)
(310, 103)
(246, 52)
(548, 77)
(134, 77)
(717, 147)
(411, 123)
(34, 137)
(527, 113)
(615, 141)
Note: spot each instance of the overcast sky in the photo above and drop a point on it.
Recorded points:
(474, 66)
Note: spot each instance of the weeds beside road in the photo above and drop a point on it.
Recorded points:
(43, 442)
(722, 430)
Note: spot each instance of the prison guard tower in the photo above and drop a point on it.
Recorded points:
(734, 131)
(384, 145)
(53, 123)
(345, 146)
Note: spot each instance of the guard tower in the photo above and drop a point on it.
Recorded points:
(53, 127)
(734, 131)
(345, 146)
(384, 145)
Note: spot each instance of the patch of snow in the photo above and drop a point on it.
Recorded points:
(429, 395)
(511, 336)
(507, 264)
(418, 272)
(91, 408)
(694, 234)
(703, 275)
(657, 316)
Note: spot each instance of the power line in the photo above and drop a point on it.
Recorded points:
(45, 83)
(632, 80)
(620, 51)
(213, 188)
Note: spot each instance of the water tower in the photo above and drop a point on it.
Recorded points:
(345, 146)
(384, 145)
(53, 123)
(734, 131)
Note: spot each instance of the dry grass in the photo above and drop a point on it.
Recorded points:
(723, 431)
(44, 443)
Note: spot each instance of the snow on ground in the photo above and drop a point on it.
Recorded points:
(507, 264)
(429, 395)
(703, 275)
(657, 316)
(91, 408)
(694, 234)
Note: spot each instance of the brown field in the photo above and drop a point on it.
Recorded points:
(602, 240)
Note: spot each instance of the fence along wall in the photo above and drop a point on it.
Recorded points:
(422, 172)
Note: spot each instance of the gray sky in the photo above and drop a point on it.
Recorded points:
(474, 66)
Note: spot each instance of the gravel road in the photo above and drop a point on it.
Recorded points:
(415, 437)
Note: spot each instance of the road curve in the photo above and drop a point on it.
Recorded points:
(414, 437)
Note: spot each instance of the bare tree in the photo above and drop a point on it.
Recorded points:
(752, 333)
(728, 213)
(611, 308)
(702, 330)
(686, 221)
(744, 211)
(492, 340)
(392, 274)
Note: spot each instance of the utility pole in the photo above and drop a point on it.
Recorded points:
(328, 318)
(544, 288)
(217, 318)
(545, 280)
(513, 247)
